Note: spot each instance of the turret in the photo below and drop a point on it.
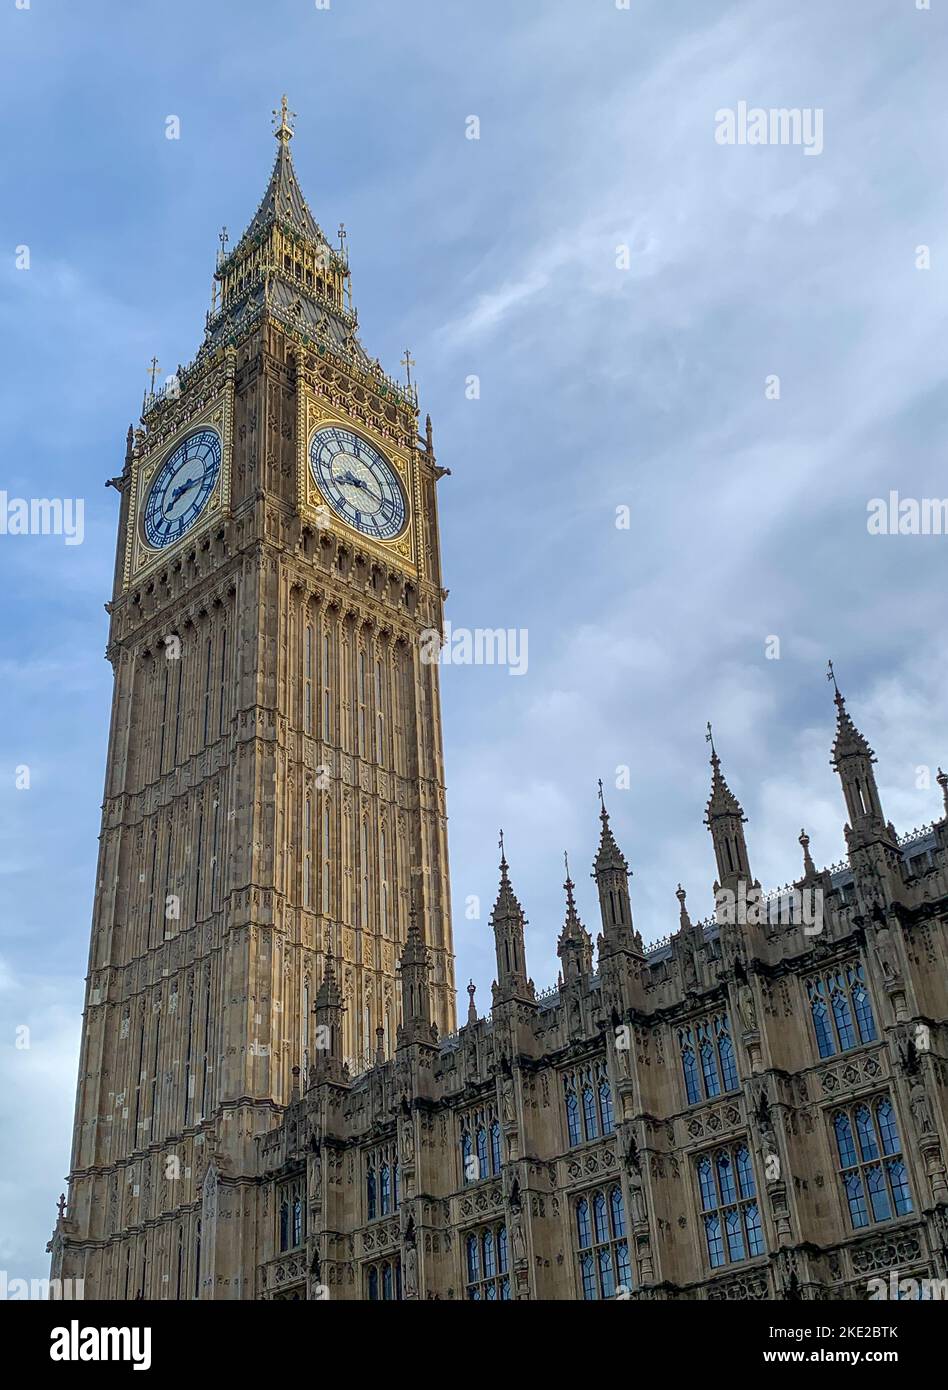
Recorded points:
(612, 874)
(852, 759)
(574, 947)
(508, 921)
(725, 819)
(414, 968)
(328, 1010)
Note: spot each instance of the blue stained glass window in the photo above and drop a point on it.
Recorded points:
(843, 1017)
(473, 1260)
(844, 1140)
(862, 1005)
(284, 1225)
(605, 1106)
(466, 1152)
(387, 1282)
(502, 1249)
(745, 1173)
(395, 1185)
(851, 1022)
(709, 1070)
(824, 1035)
(712, 1231)
(589, 1113)
(709, 1197)
(728, 1067)
(735, 1235)
(755, 1235)
(878, 1194)
(856, 1198)
(373, 1284)
(726, 1178)
(618, 1213)
(385, 1189)
(589, 1278)
(583, 1227)
(482, 1169)
(898, 1179)
(572, 1119)
(623, 1267)
(867, 1135)
(888, 1128)
(690, 1069)
(606, 1274)
(370, 1194)
(488, 1247)
(495, 1147)
(599, 1214)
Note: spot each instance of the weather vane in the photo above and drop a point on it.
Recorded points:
(408, 362)
(709, 738)
(155, 369)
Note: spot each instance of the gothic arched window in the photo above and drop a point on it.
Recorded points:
(841, 1009)
(602, 1249)
(370, 1195)
(488, 1277)
(589, 1113)
(385, 1189)
(495, 1148)
(874, 1178)
(728, 1193)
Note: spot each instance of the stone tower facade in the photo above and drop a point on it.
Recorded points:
(273, 1101)
(274, 792)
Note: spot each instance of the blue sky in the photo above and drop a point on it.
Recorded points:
(600, 388)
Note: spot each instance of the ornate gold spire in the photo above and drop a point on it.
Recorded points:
(283, 131)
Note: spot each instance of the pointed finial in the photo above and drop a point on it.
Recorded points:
(61, 1205)
(342, 236)
(503, 855)
(284, 131)
(682, 909)
(809, 867)
(942, 780)
(408, 362)
(831, 676)
(603, 813)
(155, 369)
(471, 1010)
(379, 1045)
(709, 738)
(429, 436)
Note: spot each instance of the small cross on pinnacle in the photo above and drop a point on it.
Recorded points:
(155, 369)
(831, 676)
(408, 362)
(222, 238)
(284, 131)
(709, 738)
(503, 855)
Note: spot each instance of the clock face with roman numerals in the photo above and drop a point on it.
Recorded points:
(182, 488)
(358, 482)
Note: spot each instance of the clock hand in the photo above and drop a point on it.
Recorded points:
(183, 488)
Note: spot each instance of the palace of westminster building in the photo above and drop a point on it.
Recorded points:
(274, 1101)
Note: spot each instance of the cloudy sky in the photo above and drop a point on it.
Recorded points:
(623, 286)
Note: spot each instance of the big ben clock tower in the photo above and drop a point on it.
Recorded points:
(274, 794)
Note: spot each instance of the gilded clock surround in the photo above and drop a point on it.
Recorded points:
(318, 415)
